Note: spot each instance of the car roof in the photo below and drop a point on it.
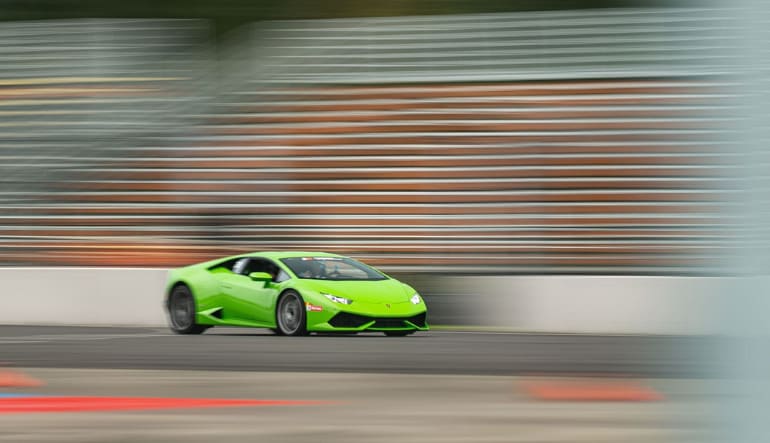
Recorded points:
(286, 254)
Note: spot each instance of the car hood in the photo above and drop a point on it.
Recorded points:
(378, 291)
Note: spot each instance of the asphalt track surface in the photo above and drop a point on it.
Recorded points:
(434, 352)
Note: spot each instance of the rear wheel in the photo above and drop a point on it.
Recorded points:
(181, 311)
(290, 314)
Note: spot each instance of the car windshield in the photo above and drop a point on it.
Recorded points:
(331, 268)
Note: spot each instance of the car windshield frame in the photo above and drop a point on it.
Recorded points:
(300, 267)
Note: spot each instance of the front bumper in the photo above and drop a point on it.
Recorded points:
(343, 321)
(365, 322)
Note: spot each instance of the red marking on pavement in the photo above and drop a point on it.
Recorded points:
(589, 390)
(84, 404)
(15, 379)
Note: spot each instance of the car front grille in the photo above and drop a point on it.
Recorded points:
(348, 320)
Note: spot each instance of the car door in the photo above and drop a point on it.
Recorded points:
(247, 299)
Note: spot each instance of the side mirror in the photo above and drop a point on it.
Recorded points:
(260, 276)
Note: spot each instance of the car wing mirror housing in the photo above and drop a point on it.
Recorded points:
(260, 276)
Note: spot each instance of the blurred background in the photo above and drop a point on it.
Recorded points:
(582, 167)
(582, 141)
(575, 141)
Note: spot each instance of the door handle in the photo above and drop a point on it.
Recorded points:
(227, 286)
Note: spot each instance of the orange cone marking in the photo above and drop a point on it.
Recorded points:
(589, 390)
(13, 379)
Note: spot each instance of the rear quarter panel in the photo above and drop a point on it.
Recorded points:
(203, 286)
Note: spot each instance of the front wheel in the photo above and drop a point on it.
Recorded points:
(290, 314)
(181, 311)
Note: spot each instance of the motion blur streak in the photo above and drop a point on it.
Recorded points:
(83, 404)
(549, 142)
(745, 303)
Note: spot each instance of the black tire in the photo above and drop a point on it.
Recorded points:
(290, 317)
(181, 311)
(398, 333)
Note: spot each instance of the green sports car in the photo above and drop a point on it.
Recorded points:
(292, 293)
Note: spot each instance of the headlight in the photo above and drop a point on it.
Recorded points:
(336, 299)
(415, 299)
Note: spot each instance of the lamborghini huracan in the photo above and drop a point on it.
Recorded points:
(292, 293)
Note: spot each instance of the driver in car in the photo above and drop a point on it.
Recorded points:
(314, 269)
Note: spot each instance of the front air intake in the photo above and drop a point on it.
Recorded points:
(418, 320)
(348, 320)
(389, 323)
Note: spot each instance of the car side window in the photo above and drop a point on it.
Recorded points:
(282, 276)
(254, 265)
(239, 267)
(261, 265)
(247, 265)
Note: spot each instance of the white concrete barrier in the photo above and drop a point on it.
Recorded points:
(593, 304)
(555, 304)
(82, 296)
